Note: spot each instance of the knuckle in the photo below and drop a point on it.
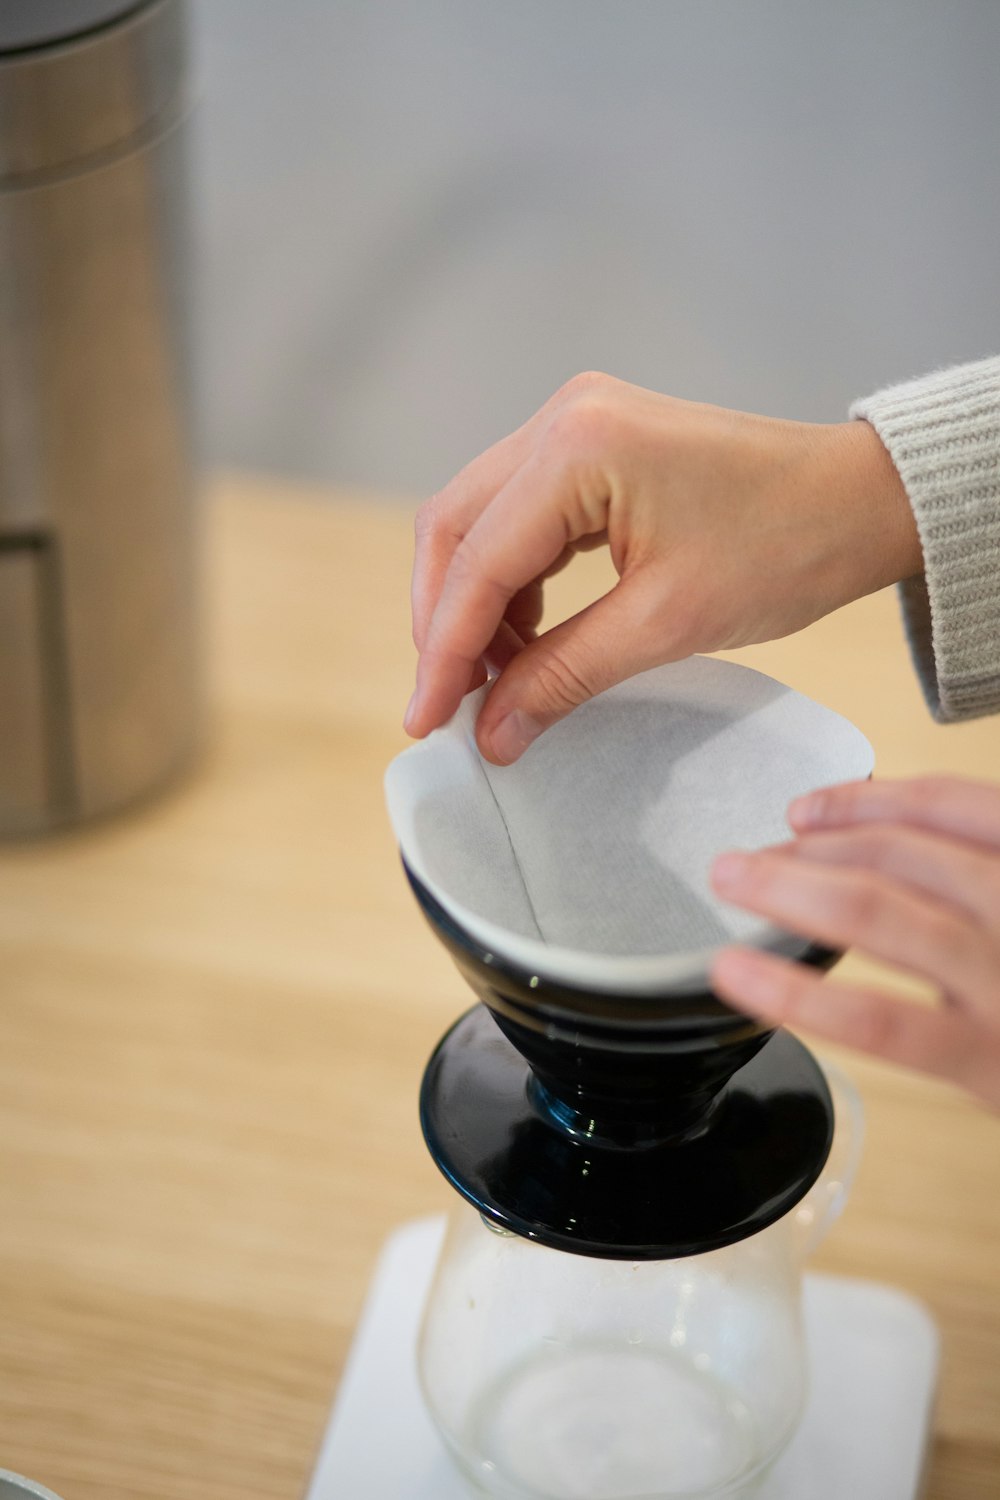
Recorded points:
(927, 795)
(586, 420)
(858, 908)
(562, 684)
(427, 519)
(585, 383)
(469, 571)
(466, 562)
(844, 804)
(464, 559)
(578, 429)
(877, 848)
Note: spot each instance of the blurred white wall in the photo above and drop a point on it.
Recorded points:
(419, 216)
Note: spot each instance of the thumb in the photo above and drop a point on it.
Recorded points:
(610, 640)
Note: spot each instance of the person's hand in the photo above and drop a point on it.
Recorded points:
(725, 529)
(907, 872)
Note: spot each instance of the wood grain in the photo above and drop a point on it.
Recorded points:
(215, 1015)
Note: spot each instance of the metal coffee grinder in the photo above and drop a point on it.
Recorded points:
(99, 679)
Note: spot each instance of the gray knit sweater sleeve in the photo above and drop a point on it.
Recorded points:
(943, 434)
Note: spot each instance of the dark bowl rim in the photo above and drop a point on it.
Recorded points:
(530, 997)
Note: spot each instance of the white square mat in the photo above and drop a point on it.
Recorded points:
(864, 1435)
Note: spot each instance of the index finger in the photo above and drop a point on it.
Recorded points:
(443, 522)
(519, 535)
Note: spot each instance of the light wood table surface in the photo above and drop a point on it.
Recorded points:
(216, 1009)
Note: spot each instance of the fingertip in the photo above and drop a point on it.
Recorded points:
(484, 744)
(724, 970)
(749, 981)
(833, 806)
(730, 870)
(808, 812)
(735, 965)
(423, 714)
(415, 730)
(505, 740)
(487, 752)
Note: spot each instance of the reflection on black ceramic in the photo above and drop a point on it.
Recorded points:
(633, 1127)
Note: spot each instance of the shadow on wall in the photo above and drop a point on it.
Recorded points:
(418, 220)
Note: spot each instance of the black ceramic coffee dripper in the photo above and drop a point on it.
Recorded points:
(630, 1127)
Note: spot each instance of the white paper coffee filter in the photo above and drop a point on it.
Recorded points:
(587, 861)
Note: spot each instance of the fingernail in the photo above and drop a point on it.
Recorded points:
(730, 871)
(512, 736)
(806, 812)
(411, 710)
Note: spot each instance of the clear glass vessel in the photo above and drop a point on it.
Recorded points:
(616, 1314)
(562, 1376)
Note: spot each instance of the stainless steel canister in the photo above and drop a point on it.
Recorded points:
(99, 681)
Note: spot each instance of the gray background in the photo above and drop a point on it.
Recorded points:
(420, 216)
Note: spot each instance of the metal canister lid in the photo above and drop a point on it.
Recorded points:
(72, 98)
(39, 23)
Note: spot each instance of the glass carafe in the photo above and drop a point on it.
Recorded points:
(571, 1377)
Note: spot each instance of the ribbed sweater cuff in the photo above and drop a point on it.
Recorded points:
(943, 434)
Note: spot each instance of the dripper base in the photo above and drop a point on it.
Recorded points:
(760, 1150)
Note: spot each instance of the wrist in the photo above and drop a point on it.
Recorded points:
(882, 544)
